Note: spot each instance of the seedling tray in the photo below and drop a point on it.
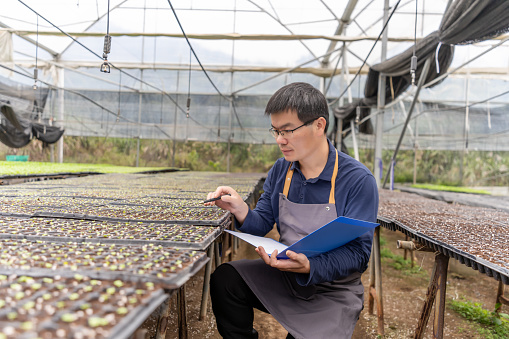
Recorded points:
(477, 237)
(169, 267)
(184, 215)
(122, 233)
(74, 307)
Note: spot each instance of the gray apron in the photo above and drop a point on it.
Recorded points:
(326, 310)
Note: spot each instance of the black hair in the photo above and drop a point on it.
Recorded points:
(302, 98)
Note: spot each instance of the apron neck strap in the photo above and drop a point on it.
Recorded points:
(288, 180)
(289, 175)
(332, 199)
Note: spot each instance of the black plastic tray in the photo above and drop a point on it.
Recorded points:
(490, 269)
(126, 324)
(56, 235)
(140, 266)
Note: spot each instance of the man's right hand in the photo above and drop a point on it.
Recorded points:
(233, 202)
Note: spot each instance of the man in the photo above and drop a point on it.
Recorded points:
(319, 297)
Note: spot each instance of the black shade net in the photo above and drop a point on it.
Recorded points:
(464, 22)
(18, 129)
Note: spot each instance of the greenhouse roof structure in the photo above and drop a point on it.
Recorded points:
(204, 70)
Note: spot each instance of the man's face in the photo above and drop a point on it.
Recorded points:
(297, 145)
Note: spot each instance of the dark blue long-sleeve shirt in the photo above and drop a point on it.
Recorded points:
(356, 197)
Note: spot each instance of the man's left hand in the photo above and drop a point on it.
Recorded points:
(297, 262)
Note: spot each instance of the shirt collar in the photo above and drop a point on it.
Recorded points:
(329, 166)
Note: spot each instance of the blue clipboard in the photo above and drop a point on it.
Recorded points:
(335, 234)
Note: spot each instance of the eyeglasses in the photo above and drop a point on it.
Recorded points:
(286, 133)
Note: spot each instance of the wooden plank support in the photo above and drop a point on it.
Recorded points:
(378, 283)
(206, 283)
(375, 282)
(182, 317)
(438, 324)
(162, 319)
(163, 313)
(372, 291)
(436, 290)
(409, 251)
(501, 299)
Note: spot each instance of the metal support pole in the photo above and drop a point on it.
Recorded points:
(175, 122)
(354, 139)
(345, 20)
(61, 107)
(339, 127)
(346, 75)
(139, 124)
(141, 87)
(229, 136)
(381, 104)
(232, 94)
(424, 73)
(339, 134)
(466, 127)
(436, 290)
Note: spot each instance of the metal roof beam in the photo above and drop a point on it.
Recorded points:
(219, 36)
(345, 20)
(70, 65)
(30, 40)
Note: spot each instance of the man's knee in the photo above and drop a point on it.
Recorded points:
(224, 279)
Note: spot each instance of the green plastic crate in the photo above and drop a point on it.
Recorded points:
(16, 157)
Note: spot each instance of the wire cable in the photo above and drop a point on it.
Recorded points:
(37, 42)
(332, 75)
(194, 53)
(36, 71)
(108, 20)
(189, 87)
(365, 60)
(201, 66)
(112, 65)
(105, 67)
(413, 59)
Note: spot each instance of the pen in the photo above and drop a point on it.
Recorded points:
(214, 199)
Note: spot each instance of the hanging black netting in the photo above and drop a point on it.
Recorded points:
(464, 22)
(22, 117)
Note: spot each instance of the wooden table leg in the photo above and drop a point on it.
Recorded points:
(372, 291)
(501, 299)
(206, 282)
(438, 324)
(436, 290)
(182, 317)
(375, 282)
(162, 319)
(378, 282)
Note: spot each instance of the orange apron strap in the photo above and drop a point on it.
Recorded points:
(332, 199)
(288, 180)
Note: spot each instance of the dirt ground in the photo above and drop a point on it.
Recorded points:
(403, 296)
